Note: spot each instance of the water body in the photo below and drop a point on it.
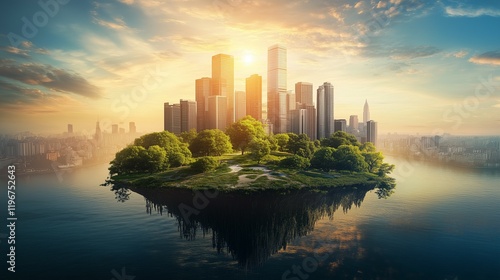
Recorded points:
(441, 223)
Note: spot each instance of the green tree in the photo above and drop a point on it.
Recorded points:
(282, 139)
(259, 148)
(349, 157)
(170, 143)
(273, 142)
(300, 145)
(205, 164)
(385, 169)
(373, 160)
(126, 160)
(295, 162)
(338, 139)
(323, 159)
(368, 147)
(188, 136)
(211, 142)
(154, 159)
(244, 131)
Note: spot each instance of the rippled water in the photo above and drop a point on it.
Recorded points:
(441, 223)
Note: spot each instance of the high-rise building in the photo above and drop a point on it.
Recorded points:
(325, 105)
(240, 105)
(188, 115)
(303, 120)
(203, 88)
(371, 132)
(172, 118)
(223, 81)
(217, 105)
(353, 123)
(98, 133)
(340, 125)
(131, 127)
(290, 105)
(70, 128)
(114, 129)
(276, 88)
(304, 93)
(366, 113)
(254, 96)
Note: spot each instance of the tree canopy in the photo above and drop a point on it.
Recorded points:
(244, 131)
(340, 138)
(210, 142)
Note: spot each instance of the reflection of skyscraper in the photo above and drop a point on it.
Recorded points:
(276, 87)
(172, 118)
(325, 96)
(217, 112)
(304, 93)
(254, 96)
(223, 81)
(366, 113)
(371, 132)
(203, 88)
(188, 115)
(240, 105)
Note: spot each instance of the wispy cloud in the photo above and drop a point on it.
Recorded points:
(47, 76)
(471, 12)
(490, 58)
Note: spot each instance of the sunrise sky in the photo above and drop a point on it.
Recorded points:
(424, 66)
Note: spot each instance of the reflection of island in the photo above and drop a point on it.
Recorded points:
(251, 227)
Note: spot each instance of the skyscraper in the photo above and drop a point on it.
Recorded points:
(371, 132)
(188, 115)
(325, 100)
(303, 120)
(70, 128)
(240, 105)
(217, 112)
(340, 125)
(98, 133)
(304, 93)
(254, 96)
(172, 118)
(114, 129)
(353, 123)
(203, 88)
(276, 87)
(366, 113)
(131, 127)
(223, 81)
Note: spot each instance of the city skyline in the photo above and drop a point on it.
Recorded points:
(131, 56)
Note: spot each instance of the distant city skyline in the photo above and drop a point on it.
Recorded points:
(428, 67)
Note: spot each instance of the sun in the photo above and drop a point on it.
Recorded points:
(248, 58)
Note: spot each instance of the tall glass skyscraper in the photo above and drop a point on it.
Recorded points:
(366, 112)
(276, 88)
(223, 81)
(326, 122)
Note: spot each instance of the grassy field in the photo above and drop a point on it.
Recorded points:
(240, 173)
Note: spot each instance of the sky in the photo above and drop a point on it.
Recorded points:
(427, 67)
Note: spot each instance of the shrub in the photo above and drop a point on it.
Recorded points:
(204, 164)
(295, 162)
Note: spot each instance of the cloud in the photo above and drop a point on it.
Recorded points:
(47, 76)
(471, 12)
(458, 54)
(489, 58)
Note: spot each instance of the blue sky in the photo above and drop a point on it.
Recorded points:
(424, 66)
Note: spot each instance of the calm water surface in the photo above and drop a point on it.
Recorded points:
(441, 223)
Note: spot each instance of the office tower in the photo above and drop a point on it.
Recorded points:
(223, 81)
(303, 120)
(217, 112)
(121, 130)
(276, 88)
(340, 125)
(371, 132)
(366, 113)
(353, 123)
(188, 115)
(254, 96)
(70, 128)
(203, 88)
(325, 107)
(98, 133)
(172, 118)
(240, 105)
(114, 129)
(304, 93)
(131, 127)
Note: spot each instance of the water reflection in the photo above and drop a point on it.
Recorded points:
(250, 227)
